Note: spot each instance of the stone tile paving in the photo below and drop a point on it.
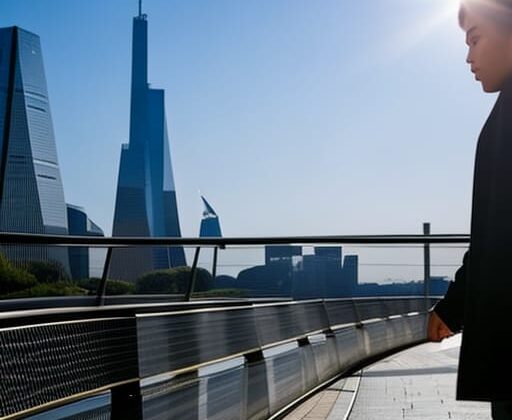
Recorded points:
(334, 398)
(418, 383)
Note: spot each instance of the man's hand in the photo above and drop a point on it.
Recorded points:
(437, 330)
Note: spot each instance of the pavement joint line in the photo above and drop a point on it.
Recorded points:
(280, 413)
(354, 396)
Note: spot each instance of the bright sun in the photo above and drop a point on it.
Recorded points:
(452, 6)
(443, 12)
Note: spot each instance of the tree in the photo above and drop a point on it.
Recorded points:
(113, 287)
(49, 289)
(173, 280)
(13, 279)
(47, 271)
(222, 293)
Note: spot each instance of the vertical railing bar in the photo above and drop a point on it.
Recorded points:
(359, 323)
(193, 273)
(426, 262)
(102, 287)
(214, 265)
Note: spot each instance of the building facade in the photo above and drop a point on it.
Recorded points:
(351, 271)
(31, 191)
(210, 224)
(79, 257)
(146, 197)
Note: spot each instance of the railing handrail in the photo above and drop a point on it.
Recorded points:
(127, 241)
(56, 305)
(10, 238)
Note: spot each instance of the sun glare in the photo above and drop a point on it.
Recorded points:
(452, 6)
(443, 12)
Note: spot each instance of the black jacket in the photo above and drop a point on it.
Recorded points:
(479, 302)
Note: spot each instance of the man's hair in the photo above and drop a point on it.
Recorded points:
(498, 11)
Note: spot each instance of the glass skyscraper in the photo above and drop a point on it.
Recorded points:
(80, 225)
(146, 197)
(31, 192)
(210, 226)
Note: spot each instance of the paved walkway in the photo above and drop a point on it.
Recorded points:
(418, 383)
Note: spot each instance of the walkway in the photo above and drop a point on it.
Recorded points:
(418, 383)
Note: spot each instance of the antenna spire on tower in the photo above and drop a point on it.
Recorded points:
(140, 8)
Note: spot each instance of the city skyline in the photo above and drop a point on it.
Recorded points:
(313, 119)
(297, 74)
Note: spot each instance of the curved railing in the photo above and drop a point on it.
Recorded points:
(141, 357)
(112, 243)
(151, 361)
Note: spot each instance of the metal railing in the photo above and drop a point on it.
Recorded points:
(161, 361)
(111, 243)
(134, 355)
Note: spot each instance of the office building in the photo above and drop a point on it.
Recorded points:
(146, 202)
(210, 225)
(31, 191)
(80, 225)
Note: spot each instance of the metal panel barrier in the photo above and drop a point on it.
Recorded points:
(153, 357)
(245, 361)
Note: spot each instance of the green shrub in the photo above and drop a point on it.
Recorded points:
(173, 280)
(13, 279)
(119, 287)
(91, 285)
(221, 293)
(49, 289)
(47, 271)
(160, 281)
(114, 287)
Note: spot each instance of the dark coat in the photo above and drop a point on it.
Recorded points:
(480, 300)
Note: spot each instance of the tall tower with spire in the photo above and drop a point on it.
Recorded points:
(146, 197)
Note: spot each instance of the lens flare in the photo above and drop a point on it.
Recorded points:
(443, 12)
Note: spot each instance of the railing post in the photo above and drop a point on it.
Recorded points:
(359, 323)
(102, 287)
(214, 265)
(193, 273)
(426, 263)
(126, 402)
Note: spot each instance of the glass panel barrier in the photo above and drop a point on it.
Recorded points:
(283, 271)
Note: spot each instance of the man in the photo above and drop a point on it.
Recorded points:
(479, 302)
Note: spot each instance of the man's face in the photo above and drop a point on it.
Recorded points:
(490, 51)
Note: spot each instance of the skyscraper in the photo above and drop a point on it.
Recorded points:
(80, 225)
(31, 192)
(146, 197)
(351, 271)
(210, 226)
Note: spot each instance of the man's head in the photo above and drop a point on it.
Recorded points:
(488, 27)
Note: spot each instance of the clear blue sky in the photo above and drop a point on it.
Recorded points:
(293, 117)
